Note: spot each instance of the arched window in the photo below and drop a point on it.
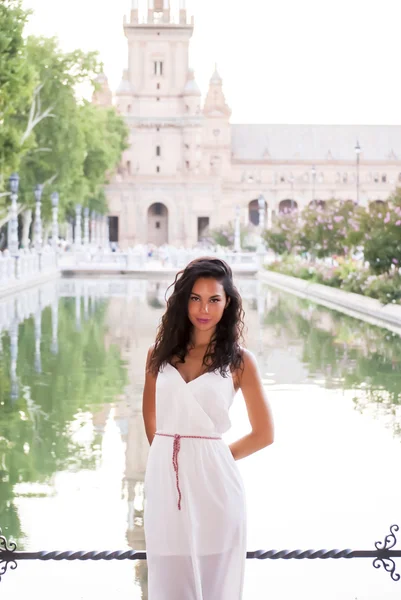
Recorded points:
(384, 178)
(253, 212)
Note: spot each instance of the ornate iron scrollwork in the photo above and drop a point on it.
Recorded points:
(385, 561)
(383, 555)
(6, 555)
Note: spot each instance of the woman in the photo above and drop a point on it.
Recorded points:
(195, 519)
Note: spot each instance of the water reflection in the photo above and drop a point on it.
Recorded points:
(46, 388)
(340, 352)
(71, 377)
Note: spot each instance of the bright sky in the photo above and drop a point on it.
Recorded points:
(282, 61)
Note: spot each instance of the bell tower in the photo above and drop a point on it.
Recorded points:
(157, 59)
(158, 94)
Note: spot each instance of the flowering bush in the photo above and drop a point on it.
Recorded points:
(334, 229)
(224, 235)
(382, 240)
(346, 275)
(283, 237)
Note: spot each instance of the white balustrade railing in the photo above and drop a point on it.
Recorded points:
(7, 268)
(26, 266)
(140, 258)
(30, 264)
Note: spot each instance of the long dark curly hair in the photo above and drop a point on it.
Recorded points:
(174, 333)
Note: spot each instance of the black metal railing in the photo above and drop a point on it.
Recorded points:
(383, 554)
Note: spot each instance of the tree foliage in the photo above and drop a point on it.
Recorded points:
(51, 137)
(332, 229)
(283, 237)
(382, 241)
(16, 83)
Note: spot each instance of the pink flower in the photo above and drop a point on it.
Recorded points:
(398, 223)
(395, 261)
(387, 219)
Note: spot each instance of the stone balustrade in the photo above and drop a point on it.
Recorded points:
(27, 267)
(30, 266)
(140, 258)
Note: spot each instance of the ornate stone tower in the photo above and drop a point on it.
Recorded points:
(216, 128)
(160, 100)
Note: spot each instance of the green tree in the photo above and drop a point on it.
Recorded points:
(106, 137)
(16, 85)
(68, 145)
(58, 154)
(382, 235)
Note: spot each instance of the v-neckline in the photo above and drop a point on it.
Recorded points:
(181, 377)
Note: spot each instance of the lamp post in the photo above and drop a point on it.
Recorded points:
(98, 230)
(108, 232)
(86, 226)
(55, 198)
(261, 205)
(78, 225)
(237, 231)
(291, 180)
(313, 171)
(104, 231)
(357, 152)
(93, 228)
(13, 229)
(38, 218)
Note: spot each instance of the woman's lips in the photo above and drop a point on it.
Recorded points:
(203, 321)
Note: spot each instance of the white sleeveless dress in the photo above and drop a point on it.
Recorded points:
(195, 515)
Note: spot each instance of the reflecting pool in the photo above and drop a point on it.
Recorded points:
(73, 449)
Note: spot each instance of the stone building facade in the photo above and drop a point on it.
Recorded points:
(189, 168)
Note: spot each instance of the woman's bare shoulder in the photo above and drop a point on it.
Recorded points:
(248, 363)
(149, 356)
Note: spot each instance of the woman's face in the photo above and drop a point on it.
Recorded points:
(206, 303)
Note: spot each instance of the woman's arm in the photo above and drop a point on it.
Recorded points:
(258, 408)
(149, 400)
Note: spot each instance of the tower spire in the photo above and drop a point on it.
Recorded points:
(215, 101)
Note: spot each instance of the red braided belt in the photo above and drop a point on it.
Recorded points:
(176, 448)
